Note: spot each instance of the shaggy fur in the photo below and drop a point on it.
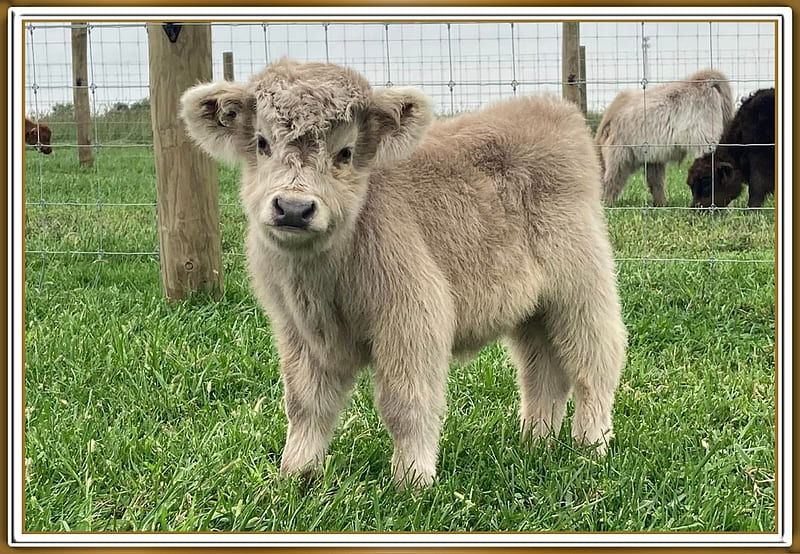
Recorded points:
(38, 135)
(376, 238)
(659, 125)
(754, 123)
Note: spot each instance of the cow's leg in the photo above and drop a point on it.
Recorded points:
(656, 174)
(584, 326)
(410, 387)
(315, 393)
(411, 354)
(544, 385)
(756, 197)
(616, 175)
(762, 183)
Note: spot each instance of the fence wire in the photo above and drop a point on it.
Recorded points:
(461, 66)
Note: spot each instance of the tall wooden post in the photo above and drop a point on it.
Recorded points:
(188, 190)
(582, 82)
(570, 65)
(80, 94)
(227, 66)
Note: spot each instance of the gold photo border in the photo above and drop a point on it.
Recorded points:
(344, 550)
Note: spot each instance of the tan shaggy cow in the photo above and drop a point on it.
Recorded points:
(376, 238)
(658, 125)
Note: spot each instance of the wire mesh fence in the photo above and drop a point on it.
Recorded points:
(110, 208)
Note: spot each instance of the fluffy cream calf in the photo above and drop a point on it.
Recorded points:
(379, 238)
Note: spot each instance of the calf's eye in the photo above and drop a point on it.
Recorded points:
(344, 156)
(263, 146)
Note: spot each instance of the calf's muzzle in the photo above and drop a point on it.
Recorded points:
(293, 212)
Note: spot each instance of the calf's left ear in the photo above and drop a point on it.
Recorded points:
(398, 119)
(219, 118)
(724, 170)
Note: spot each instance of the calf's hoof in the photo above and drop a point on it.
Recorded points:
(412, 477)
(597, 444)
(413, 481)
(306, 471)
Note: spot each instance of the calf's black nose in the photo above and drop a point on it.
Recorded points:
(293, 213)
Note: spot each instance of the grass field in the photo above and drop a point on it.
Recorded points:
(144, 416)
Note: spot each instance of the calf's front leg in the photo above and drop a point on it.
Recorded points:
(762, 183)
(314, 394)
(410, 389)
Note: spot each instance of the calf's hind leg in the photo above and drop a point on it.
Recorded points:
(615, 176)
(543, 382)
(656, 174)
(581, 341)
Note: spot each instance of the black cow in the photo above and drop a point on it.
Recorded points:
(754, 123)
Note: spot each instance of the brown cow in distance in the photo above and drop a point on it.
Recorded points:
(38, 135)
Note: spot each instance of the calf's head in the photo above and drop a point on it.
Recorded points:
(713, 180)
(307, 136)
(39, 136)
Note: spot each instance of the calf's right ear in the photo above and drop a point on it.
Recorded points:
(219, 118)
(724, 170)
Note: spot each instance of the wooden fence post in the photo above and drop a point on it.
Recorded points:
(80, 94)
(570, 64)
(227, 66)
(188, 190)
(582, 83)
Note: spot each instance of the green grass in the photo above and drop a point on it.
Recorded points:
(119, 124)
(144, 416)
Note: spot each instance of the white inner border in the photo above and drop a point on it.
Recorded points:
(783, 54)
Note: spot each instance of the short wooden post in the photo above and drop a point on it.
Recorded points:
(227, 66)
(80, 94)
(188, 189)
(570, 66)
(582, 82)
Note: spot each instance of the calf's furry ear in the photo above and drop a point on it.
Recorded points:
(724, 169)
(219, 118)
(399, 118)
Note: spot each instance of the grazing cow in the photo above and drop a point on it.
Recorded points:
(753, 124)
(658, 125)
(376, 238)
(38, 135)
